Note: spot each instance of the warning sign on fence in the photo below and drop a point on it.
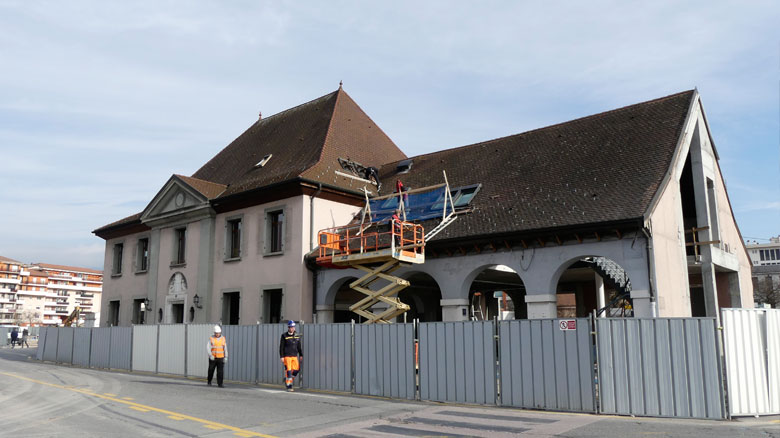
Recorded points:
(568, 324)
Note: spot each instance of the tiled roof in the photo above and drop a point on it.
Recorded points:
(208, 189)
(303, 142)
(7, 260)
(49, 266)
(602, 168)
(38, 273)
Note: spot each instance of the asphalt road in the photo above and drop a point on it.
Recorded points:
(47, 400)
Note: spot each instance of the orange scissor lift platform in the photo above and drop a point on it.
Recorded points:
(378, 250)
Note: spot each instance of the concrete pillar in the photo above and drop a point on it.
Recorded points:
(643, 305)
(324, 314)
(456, 309)
(541, 306)
(600, 294)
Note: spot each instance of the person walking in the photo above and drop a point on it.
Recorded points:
(218, 355)
(14, 337)
(25, 333)
(290, 350)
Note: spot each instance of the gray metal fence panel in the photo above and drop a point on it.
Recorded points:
(50, 349)
(242, 352)
(384, 360)
(41, 343)
(82, 341)
(145, 348)
(197, 356)
(659, 367)
(269, 367)
(100, 350)
(171, 350)
(569, 381)
(328, 352)
(121, 356)
(65, 345)
(5, 336)
(457, 362)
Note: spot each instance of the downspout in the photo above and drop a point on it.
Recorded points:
(651, 271)
(311, 247)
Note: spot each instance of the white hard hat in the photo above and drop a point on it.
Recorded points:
(217, 329)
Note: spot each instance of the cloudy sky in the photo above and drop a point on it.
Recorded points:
(100, 102)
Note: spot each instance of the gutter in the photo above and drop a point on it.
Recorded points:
(311, 247)
(651, 269)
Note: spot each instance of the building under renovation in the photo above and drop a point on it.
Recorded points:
(315, 214)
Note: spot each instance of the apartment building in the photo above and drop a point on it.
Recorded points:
(45, 294)
(764, 254)
(10, 278)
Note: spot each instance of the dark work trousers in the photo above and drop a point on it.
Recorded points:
(219, 364)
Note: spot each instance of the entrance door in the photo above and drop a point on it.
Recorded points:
(272, 306)
(230, 307)
(177, 313)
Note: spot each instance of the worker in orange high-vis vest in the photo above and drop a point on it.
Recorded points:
(218, 355)
(289, 351)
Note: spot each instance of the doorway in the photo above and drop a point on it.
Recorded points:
(230, 308)
(272, 306)
(177, 313)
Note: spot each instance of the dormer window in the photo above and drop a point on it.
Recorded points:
(263, 162)
(404, 166)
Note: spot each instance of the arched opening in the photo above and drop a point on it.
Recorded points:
(594, 283)
(423, 297)
(345, 297)
(499, 292)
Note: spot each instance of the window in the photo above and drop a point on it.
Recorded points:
(272, 306)
(761, 253)
(143, 255)
(180, 245)
(138, 311)
(230, 308)
(461, 196)
(117, 268)
(264, 161)
(233, 240)
(275, 234)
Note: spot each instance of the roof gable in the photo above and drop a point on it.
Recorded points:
(175, 198)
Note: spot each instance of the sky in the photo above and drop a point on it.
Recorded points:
(101, 102)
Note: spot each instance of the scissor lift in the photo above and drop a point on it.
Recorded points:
(379, 248)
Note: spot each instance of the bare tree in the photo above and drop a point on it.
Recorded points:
(765, 290)
(27, 316)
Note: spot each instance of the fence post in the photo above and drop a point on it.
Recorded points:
(416, 365)
(257, 353)
(497, 361)
(72, 346)
(89, 350)
(352, 357)
(157, 353)
(596, 375)
(56, 346)
(724, 405)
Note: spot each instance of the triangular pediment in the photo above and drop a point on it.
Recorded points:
(175, 198)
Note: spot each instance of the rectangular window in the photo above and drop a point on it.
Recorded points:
(181, 242)
(117, 267)
(275, 233)
(143, 255)
(234, 239)
(761, 254)
(772, 253)
(138, 311)
(230, 308)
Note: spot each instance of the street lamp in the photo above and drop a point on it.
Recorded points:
(196, 301)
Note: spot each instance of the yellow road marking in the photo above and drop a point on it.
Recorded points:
(173, 417)
(139, 409)
(211, 426)
(109, 394)
(128, 398)
(214, 424)
(240, 434)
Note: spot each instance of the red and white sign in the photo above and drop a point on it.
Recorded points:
(568, 324)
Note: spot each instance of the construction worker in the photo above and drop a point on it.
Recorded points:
(289, 351)
(218, 355)
(23, 342)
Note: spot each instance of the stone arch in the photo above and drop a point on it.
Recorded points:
(589, 282)
(483, 282)
(423, 296)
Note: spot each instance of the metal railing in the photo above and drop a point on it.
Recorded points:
(354, 239)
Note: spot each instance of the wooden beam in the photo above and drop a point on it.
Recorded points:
(462, 251)
(579, 239)
(476, 248)
(449, 253)
(508, 246)
(598, 238)
(541, 242)
(493, 246)
(619, 234)
(525, 245)
(558, 239)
